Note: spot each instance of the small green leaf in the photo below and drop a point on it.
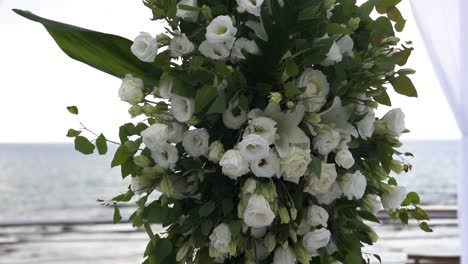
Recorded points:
(316, 166)
(403, 85)
(235, 227)
(413, 198)
(101, 144)
(366, 215)
(73, 133)
(222, 69)
(337, 29)
(366, 9)
(425, 227)
(206, 209)
(206, 227)
(117, 216)
(204, 96)
(419, 214)
(120, 156)
(162, 249)
(291, 90)
(73, 110)
(383, 98)
(227, 206)
(291, 68)
(383, 6)
(383, 26)
(219, 105)
(83, 145)
(404, 217)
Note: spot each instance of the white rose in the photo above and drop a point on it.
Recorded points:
(395, 120)
(353, 185)
(145, 47)
(190, 16)
(165, 155)
(131, 90)
(284, 255)
(216, 151)
(371, 203)
(317, 89)
(220, 30)
(249, 6)
(258, 212)
(220, 238)
(322, 184)
(180, 45)
(176, 132)
(366, 125)
(233, 165)
(344, 158)
(234, 117)
(215, 51)
(141, 184)
(327, 140)
(317, 216)
(155, 135)
(333, 56)
(264, 127)
(333, 194)
(392, 199)
(316, 239)
(243, 44)
(182, 108)
(346, 45)
(196, 142)
(294, 165)
(254, 147)
(267, 167)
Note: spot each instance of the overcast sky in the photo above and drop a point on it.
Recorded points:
(38, 81)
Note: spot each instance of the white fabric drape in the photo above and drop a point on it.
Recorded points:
(444, 27)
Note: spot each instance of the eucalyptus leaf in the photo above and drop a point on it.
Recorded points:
(403, 85)
(83, 145)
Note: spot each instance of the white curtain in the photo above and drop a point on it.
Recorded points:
(444, 27)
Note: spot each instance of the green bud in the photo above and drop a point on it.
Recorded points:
(275, 98)
(148, 109)
(249, 186)
(163, 39)
(313, 118)
(373, 236)
(290, 104)
(396, 166)
(216, 151)
(406, 71)
(391, 40)
(270, 242)
(372, 104)
(161, 106)
(135, 110)
(206, 10)
(284, 215)
(166, 186)
(277, 136)
(353, 23)
(301, 253)
(193, 121)
(142, 161)
(232, 248)
(213, 252)
(293, 235)
(240, 210)
(293, 213)
(182, 252)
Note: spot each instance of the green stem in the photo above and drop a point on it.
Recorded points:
(149, 231)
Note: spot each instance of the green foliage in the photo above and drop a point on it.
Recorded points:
(73, 110)
(403, 85)
(83, 145)
(101, 144)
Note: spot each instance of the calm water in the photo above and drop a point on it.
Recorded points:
(56, 182)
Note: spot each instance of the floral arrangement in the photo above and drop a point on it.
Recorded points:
(255, 127)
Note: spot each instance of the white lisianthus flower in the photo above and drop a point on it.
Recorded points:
(294, 165)
(216, 151)
(333, 56)
(327, 140)
(215, 51)
(249, 187)
(366, 125)
(190, 16)
(333, 194)
(196, 142)
(164, 90)
(155, 135)
(221, 238)
(243, 44)
(182, 108)
(371, 203)
(250, 6)
(346, 45)
(267, 167)
(353, 185)
(392, 199)
(176, 132)
(344, 158)
(395, 121)
(220, 30)
(258, 212)
(284, 255)
(145, 47)
(180, 45)
(254, 147)
(141, 184)
(131, 90)
(165, 155)
(264, 127)
(317, 216)
(234, 117)
(317, 89)
(233, 165)
(316, 239)
(322, 184)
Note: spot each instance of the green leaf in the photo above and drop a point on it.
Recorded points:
(235, 227)
(425, 227)
(105, 52)
(206, 227)
(204, 97)
(206, 209)
(413, 198)
(101, 144)
(222, 69)
(83, 145)
(291, 68)
(337, 29)
(316, 166)
(291, 90)
(404, 217)
(227, 206)
(219, 105)
(366, 215)
(73, 110)
(383, 98)
(383, 26)
(403, 85)
(366, 9)
(120, 156)
(403, 56)
(117, 216)
(162, 249)
(419, 214)
(383, 6)
(73, 133)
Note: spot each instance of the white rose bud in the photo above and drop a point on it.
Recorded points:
(145, 47)
(196, 142)
(180, 45)
(267, 167)
(344, 158)
(216, 151)
(366, 125)
(131, 90)
(251, 7)
(372, 203)
(254, 147)
(258, 212)
(317, 216)
(182, 108)
(353, 185)
(249, 187)
(316, 239)
(294, 165)
(190, 16)
(234, 117)
(284, 255)
(165, 86)
(221, 238)
(395, 120)
(165, 155)
(233, 165)
(243, 44)
(215, 51)
(327, 141)
(317, 89)
(321, 185)
(155, 135)
(392, 199)
(220, 30)
(264, 127)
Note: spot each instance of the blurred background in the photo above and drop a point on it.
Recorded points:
(48, 192)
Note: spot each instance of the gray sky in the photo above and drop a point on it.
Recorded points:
(39, 81)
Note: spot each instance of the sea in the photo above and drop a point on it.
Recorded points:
(42, 182)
